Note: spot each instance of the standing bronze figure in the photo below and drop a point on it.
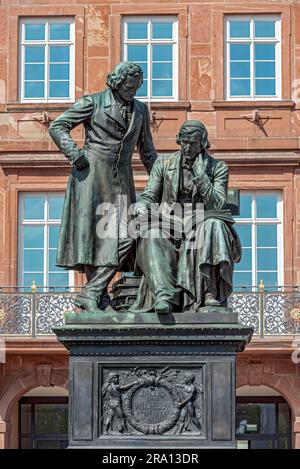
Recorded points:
(177, 273)
(115, 124)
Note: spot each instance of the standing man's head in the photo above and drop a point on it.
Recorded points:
(192, 137)
(125, 80)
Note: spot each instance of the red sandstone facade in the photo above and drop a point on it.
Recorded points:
(258, 159)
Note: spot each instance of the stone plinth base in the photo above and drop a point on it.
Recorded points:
(152, 384)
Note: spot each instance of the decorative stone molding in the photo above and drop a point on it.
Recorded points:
(255, 373)
(44, 375)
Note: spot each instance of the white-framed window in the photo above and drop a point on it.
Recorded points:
(47, 59)
(260, 228)
(253, 57)
(152, 42)
(39, 224)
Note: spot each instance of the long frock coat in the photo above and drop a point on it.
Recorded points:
(109, 146)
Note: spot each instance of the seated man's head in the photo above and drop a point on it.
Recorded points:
(192, 137)
(125, 80)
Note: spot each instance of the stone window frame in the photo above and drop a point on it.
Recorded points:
(46, 222)
(255, 222)
(115, 42)
(218, 47)
(251, 41)
(18, 13)
(46, 44)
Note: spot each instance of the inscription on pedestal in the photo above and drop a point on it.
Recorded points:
(152, 405)
(152, 401)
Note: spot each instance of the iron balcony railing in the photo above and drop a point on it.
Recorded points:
(33, 312)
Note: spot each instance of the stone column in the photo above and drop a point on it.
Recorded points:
(297, 432)
(4, 435)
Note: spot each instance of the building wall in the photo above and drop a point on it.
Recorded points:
(258, 158)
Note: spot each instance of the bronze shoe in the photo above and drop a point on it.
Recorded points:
(210, 300)
(163, 307)
(87, 304)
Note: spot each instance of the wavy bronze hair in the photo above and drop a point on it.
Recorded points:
(190, 127)
(121, 72)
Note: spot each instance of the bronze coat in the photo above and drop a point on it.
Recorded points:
(109, 147)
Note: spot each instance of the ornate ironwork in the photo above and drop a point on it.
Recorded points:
(277, 312)
(247, 307)
(50, 309)
(16, 314)
(35, 313)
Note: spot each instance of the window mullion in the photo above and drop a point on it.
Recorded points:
(47, 84)
(46, 244)
(150, 58)
(252, 67)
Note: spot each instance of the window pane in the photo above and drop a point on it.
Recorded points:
(48, 444)
(239, 87)
(34, 89)
(34, 208)
(25, 418)
(137, 30)
(59, 54)
(162, 70)
(162, 30)
(245, 234)
(142, 91)
(265, 87)
(266, 235)
(269, 278)
(37, 278)
(283, 443)
(247, 418)
(51, 419)
(33, 260)
(265, 69)
(59, 72)
(59, 31)
(26, 443)
(264, 28)
(33, 236)
(162, 53)
(34, 32)
(284, 424)
(52, 261)
(262, 444)
(239, 51)
(60, 280)
(162, 87)
(53, 236)
(240, 69)
(56, 204)
(246, 260)
(239, 29)
(34, 54)
(266, 206)
(34, 72)
(245, 206)
(243, 279)
(267, 259)
(137, 53)
(59, 89)
(264, 51)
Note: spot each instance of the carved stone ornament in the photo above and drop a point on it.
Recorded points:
(152, 401)
(44, 375)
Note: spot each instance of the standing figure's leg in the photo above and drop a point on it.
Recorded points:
(99, 278)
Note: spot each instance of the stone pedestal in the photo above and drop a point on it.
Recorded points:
(145, 381)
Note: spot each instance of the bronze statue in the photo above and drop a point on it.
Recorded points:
(115, 124)
(178, 274)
